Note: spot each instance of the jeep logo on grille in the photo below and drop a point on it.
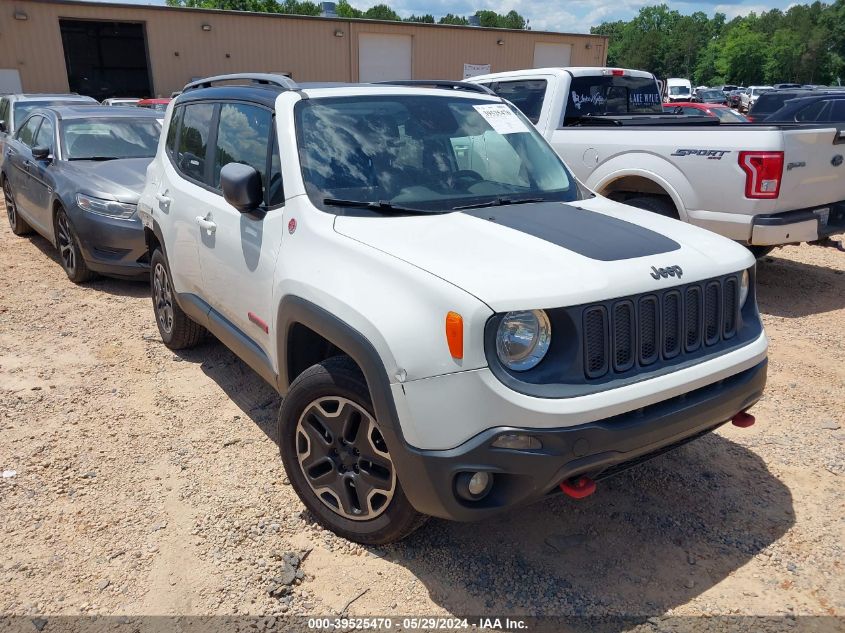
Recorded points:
(670, 271)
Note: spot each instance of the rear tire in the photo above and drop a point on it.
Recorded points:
(336, 458)
(70, 254)
(656, 204)
(177, 329)
(16, 222)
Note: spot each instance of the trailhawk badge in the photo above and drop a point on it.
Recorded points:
(671, 271)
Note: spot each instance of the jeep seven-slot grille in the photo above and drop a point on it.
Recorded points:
(653, 328)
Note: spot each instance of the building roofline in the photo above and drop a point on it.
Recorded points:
(203, 11)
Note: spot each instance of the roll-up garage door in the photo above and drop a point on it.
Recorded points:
(382, 57)
(549, 55)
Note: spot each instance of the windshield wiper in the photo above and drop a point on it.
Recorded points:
(498, 202)
(94, 158)
(381, 205)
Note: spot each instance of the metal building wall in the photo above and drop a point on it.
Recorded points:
(311, 49)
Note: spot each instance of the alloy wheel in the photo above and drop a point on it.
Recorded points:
(11, 210)
(344, 458)
(67, 247)
(163, 297)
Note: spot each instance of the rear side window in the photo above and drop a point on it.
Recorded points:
(243, 136)
(193, 140)
(837, 111)
(611, 95)
(170, 143)
(44, 138)
(813, 112)
(527, 95)
(26, 135)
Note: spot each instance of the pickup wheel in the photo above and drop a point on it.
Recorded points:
(177, 329)
(655, 204)
(16, 222)
(760, 251)
(337, 459)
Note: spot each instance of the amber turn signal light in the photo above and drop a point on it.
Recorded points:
(455, 334)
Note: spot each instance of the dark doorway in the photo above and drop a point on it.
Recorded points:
(106, 59)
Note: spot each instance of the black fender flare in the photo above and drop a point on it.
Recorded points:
(293, 309)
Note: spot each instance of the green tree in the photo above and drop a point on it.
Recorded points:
(423, 19)
(381, 12)
(346, 10)
(450, 18)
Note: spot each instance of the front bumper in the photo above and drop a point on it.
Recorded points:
(111, 246)
(805, 225)
(597, 449)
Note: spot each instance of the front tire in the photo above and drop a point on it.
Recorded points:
(336, 457)
(177, 329)
(18, 225)
(70, 254)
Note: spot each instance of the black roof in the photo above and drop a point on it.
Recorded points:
(263, 94)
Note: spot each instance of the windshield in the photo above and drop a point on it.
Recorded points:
(426, 153)
(726, 115)
(678, 90)
(23, 108)
(612, 94)
(711, 94)
(105, 139)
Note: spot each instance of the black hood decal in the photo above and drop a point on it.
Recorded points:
(588, 233)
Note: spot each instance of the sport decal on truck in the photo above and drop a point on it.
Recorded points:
(711, 154)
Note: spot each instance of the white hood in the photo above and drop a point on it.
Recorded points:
(548, 255)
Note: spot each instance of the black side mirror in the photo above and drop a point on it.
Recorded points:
(241, 187)
(41, 152)
(3, 126)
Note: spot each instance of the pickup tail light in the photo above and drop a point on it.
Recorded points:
(763, 173)
(615, 72)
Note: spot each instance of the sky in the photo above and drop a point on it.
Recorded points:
(571, 16)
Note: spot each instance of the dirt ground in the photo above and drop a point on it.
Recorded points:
(139, 481)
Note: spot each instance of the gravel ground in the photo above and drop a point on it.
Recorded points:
(139, 481)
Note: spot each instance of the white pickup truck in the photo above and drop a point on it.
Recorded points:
(762, 185)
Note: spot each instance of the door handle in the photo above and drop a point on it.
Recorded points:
(205, 223)
(162, 198)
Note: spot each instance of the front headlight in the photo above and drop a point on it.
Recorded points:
(744, 281)
(523, 338)
(100, 206)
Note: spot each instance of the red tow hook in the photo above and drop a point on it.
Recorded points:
(743, 420)
(578, 488)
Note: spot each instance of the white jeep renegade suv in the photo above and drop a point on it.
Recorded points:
(457, 326)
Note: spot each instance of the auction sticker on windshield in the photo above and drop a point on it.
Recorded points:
(501, 118)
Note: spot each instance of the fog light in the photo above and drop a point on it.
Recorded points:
(517, 442)
(474, 486)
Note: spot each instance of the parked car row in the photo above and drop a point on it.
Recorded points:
(457, 324)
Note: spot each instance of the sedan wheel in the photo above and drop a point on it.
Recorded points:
(16, 222)
(70, 254)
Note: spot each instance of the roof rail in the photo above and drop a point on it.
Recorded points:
(441, 83)
(265, 79)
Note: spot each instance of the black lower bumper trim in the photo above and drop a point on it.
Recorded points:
(597, 449)
(835, 218)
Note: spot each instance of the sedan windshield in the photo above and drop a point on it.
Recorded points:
(400, 154)
(106, 139)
